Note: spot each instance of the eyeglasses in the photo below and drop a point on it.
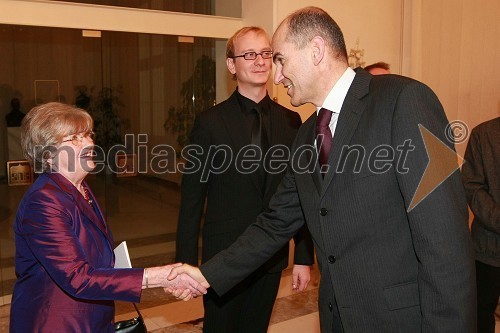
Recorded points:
(78, 138)
(253, 55)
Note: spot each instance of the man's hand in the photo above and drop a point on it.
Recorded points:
(301, 275)
(189, 273)
(182, 286)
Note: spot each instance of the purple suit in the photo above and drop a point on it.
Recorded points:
(64, 263)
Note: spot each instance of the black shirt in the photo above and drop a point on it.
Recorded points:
(246, 106)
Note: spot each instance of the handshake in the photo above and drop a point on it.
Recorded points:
(185, 281)
(181, 280)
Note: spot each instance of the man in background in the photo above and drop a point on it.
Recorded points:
(236, 195)
(481, 179)
(15, 116)
(378, 68)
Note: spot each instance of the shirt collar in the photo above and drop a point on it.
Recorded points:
(336, 96)
(247, 104)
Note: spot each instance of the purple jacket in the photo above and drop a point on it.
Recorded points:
(64, 263)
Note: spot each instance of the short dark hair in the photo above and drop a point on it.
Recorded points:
(306, 23)
(379, 64)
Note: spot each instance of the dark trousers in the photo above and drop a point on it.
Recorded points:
(488, 292)
(246, 308)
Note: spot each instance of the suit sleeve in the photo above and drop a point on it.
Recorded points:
(303, 247)
(439, 223)
(273, 229)
(482, 204)
(193, 194)
(47, 226)
(303, 244)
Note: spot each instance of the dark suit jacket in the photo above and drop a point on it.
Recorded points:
(64, 263)
(482, 184)
(233, 198)
(389, 269)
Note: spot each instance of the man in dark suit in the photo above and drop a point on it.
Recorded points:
(481, 179)
(236, 190)
(387, 264)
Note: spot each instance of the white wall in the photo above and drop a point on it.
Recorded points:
(455, 51)
(378, 27)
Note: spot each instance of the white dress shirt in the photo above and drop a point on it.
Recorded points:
(335, 98)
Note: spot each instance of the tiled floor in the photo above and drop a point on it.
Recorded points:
(144, 212)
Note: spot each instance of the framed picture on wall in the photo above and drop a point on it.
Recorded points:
(19, 172)
(47, 91)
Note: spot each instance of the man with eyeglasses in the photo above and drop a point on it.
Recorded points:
(237, 190)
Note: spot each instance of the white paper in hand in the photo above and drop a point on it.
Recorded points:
(122, 259)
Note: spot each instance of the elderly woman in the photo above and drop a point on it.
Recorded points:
(64, 249)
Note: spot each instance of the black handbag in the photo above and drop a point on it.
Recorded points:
(134, 325)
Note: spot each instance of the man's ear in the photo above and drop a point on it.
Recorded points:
(318, 46)
(230, 65)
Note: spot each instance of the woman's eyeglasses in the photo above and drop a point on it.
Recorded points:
(78, 138)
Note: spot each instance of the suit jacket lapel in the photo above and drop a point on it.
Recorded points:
(310, 157)
(350, 113)
(233, 124)
(97, 212)
(275, 132)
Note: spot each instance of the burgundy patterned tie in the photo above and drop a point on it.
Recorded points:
(323, 137)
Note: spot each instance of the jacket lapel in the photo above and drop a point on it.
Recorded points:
(96, 211)
(274, 135)
(82, 204)
(275, 123)
(350, 113)
(233, 124)
(309, 157)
